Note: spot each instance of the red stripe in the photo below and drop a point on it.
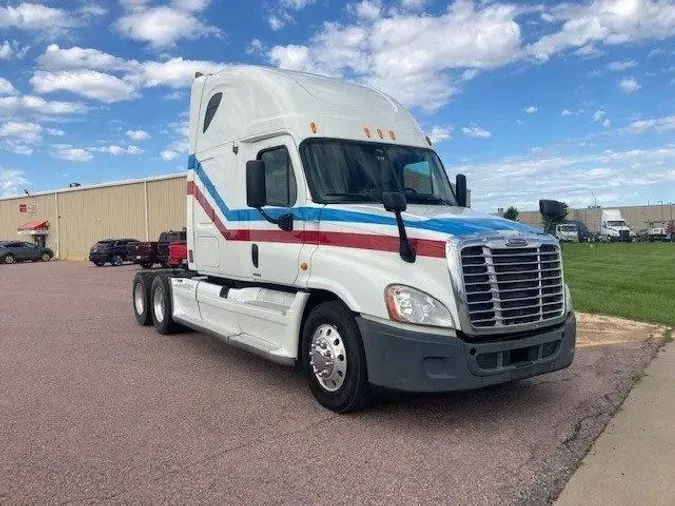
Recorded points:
(423, 247)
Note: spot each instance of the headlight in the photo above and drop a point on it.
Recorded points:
(408, 305)
(568, 299)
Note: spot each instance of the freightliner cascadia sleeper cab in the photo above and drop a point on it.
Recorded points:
(322, 229)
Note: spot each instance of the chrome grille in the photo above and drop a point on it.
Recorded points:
(512, 286)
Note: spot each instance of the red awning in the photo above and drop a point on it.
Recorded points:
(34, 225)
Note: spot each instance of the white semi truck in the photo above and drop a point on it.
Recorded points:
(322, 230)
(613, 227)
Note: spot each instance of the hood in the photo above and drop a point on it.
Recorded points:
(453, 221)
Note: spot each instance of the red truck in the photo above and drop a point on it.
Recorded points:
(178, 254)
(143, 253)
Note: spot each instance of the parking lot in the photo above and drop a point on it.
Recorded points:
(94, 408)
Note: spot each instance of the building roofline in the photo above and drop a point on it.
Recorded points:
(95, 186)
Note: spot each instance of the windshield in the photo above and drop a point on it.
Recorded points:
(618, 223)
(340, 171)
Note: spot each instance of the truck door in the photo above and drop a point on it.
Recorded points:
(275, 253)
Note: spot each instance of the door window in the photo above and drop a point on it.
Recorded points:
(280, 183)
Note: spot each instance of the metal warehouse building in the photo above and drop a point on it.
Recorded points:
(73, 219)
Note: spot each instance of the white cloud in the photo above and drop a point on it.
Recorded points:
(168, 155)
(27, 132)
(657, 124)
(6, 88)
(163, 26)
(607, 123)
(6, 50)
(87, 83)
(297, 4)
(138, 135)
(36, 17)
(276, 23)
(439, 134)
(369, 9)
(55, 131)
(118, 150)
(531, 109)
(71, 154)
(56, 58)
(92, 10)
(476, 132)
(39, 105)
(413, 4)
(569, 177)
(254, 47)
(419, 59)
(175, 72)
(12, 182)
(598, 115)
(620, 66)
(566, 112)
(629, 85)
(610, 22)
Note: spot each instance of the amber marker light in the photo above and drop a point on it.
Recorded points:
(312, 127)
(366, 131)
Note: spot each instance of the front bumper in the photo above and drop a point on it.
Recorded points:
(418, 362)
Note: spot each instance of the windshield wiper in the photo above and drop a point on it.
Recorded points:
(411, 197)
(356, 196)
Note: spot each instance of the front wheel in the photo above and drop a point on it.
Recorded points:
(333, 358)
(140, 292)
(9, 259)
(117, 260)
(147, 265)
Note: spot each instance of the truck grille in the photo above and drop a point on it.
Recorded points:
(512, 286)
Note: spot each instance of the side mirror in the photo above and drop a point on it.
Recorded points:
(394, 202)
(460, 190)
(550, 208)
(256, 195)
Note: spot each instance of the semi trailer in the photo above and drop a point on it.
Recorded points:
(323, 231)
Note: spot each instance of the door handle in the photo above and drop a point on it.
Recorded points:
(254, 255)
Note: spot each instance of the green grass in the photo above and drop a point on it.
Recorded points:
(635, 281)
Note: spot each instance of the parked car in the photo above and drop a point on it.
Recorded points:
(165, 239)
(143, 253)
(178, 254)
(17, 251)
(113, 251)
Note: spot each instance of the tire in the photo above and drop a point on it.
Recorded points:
(9, 259)
(161, 307)
(165, 265)
(331, 327)
(147, 265)
(99, 264)
(45, 257)
(140, 296)
(117, 260)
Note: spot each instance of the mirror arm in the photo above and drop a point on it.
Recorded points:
(406, 250)
(284, 222)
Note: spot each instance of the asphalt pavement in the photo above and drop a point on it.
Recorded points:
(96, 409)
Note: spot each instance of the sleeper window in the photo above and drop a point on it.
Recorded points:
(211, 109)
(279, 177)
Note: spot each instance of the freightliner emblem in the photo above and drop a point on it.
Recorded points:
(516, 242)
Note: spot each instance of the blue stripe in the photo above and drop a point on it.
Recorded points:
(445, 225)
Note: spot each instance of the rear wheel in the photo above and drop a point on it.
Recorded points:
(161, 307)
(117, 260)
(147, 265)
(333, 358)
(9, 259)
(45, 257)
(99, 264)
(141, 297)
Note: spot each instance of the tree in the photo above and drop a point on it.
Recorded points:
(511, 213)
(550, 223)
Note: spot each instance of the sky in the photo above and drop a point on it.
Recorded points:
(573, 101)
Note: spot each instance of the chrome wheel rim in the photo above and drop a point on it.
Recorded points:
(328, 357)
(158, 304)
(117, 260)
(139, 303)
(45, 257)
(9, 259)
